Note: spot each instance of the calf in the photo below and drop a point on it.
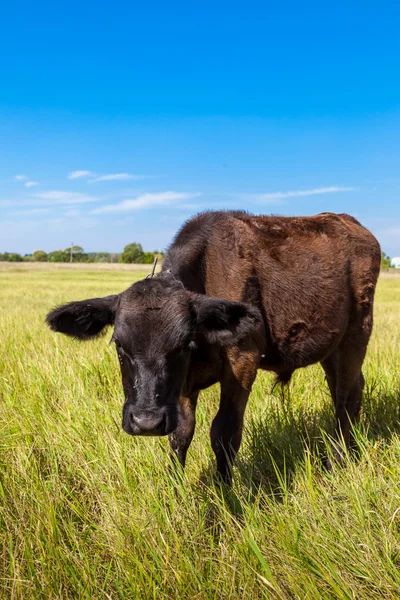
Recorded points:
(238, 293)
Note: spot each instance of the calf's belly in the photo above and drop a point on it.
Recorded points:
(300, 347)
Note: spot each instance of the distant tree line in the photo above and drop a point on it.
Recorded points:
(132, 253)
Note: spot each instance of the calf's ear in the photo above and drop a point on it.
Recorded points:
(224, 322)
(84, 319)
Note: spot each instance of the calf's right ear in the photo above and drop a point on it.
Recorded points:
(84, 319)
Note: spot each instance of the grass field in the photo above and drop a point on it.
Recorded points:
(89, 512)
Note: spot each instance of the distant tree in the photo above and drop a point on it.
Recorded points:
(4, 256)
(385, 262)
(14, 257)
(83, 257)
(58, 256)
(132, 253)
(114, 257)
(75, 250)
(102, 257)
(147, 258)
(40, 256)
(75, 253)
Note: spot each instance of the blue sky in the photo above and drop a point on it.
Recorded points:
(119, 121)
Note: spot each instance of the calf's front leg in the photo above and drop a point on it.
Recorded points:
(227, 427)
(180, 439)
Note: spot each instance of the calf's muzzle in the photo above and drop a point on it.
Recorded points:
(147, 422)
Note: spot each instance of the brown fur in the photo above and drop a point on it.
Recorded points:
(313, 280)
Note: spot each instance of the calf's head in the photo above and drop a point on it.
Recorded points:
(157, 326)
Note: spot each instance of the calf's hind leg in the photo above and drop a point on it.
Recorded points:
(346, 383)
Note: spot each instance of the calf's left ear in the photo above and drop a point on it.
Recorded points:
(84, 319)
(224, 322)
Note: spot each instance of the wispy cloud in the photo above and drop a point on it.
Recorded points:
(190, 206)
(78, 174)
(30, 212)
(72, 212)
(300, 193)
(24, 178)
(117, 177)
(147, 201)
(61, 197)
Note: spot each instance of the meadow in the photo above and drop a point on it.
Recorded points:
(88, 512)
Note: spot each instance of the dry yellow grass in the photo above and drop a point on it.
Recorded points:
(89, 512)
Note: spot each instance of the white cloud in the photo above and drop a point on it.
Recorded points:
(72, 212)
(117, 177)
(190, 206)
(78, 174)
(30, 212)
(299, 193)
(20, 178)
(61, 197)
(30, 184)
(146, 201)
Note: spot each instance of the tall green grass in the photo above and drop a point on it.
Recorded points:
(89, 512)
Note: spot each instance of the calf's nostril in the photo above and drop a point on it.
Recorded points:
(132, 419)
(149, 423)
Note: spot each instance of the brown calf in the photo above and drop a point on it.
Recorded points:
(238, 293)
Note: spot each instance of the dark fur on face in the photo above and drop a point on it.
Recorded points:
(157, 325)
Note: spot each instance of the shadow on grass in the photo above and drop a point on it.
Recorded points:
(276, 446)
(277, 443)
